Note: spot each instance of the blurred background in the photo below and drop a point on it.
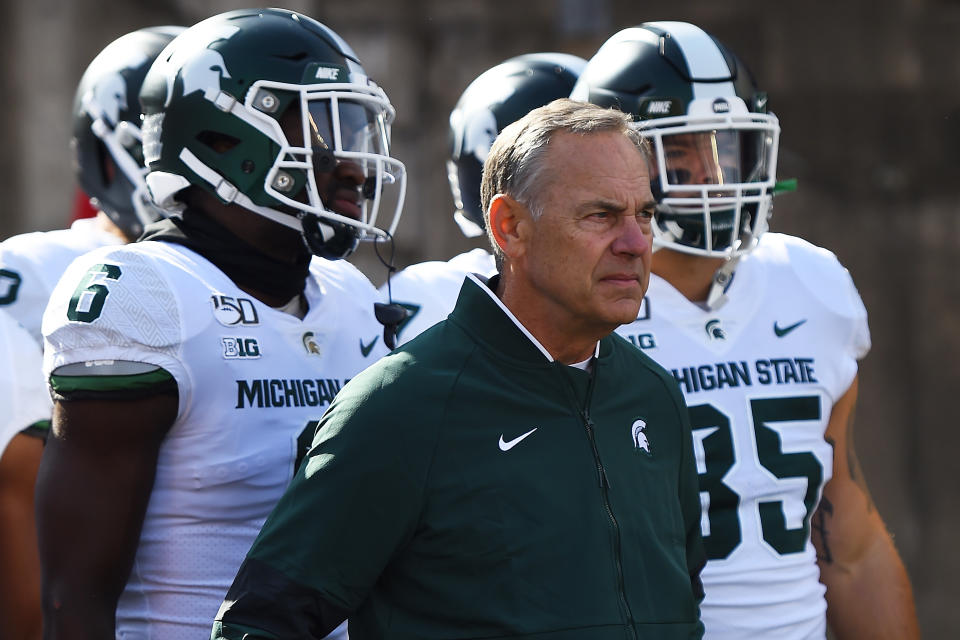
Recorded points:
(868, 95)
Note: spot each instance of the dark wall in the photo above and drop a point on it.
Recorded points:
(868, 93)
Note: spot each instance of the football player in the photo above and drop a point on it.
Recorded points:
(763, 333)
(108, 164)
(496, 98)
(24, 402)
(188, 369)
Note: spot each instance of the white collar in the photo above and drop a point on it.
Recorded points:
(530, 336)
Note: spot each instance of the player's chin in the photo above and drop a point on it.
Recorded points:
(346, 207)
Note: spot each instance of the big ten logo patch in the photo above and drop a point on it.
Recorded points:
(236, 348)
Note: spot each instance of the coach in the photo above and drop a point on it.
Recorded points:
(517, 470)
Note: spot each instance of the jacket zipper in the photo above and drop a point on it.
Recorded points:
(605, 491)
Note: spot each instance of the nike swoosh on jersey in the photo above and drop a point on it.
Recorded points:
(365, 349)
(782, 331)
(507, 445)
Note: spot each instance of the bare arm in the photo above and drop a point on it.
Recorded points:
(92, 492)
(20, 577)
(868, 591)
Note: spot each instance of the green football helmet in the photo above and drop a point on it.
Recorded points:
(106, 142)
(715, 144)
(497, 97)
(264, 108)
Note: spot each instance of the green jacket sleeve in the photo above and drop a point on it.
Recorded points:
(690, 504)
(353, 503)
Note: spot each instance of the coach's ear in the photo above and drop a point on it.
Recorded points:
(510, 225)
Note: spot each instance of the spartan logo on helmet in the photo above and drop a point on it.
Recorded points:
(479, 133)
(638, 436)
(108, 98)
(200, 68)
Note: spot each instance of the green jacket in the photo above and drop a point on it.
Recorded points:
(468, 487)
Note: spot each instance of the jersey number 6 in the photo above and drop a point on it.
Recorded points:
(86, 304)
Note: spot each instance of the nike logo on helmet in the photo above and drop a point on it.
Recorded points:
(782, 331)
(507, 445)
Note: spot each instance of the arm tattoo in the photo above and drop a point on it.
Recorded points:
(819, 526)
(853, 463)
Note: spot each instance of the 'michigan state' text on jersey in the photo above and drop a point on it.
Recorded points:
(760, 376)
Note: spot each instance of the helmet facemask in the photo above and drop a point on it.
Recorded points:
(290, 168)
(713, 178)
(331, 124)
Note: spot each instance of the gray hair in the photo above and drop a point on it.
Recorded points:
(515, 163)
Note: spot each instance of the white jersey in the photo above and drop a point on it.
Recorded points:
(24, 400)
(251, 381)
(761, 375)
(32, 263)
(429, 290)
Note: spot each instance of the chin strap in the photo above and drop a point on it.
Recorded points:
(717, 297)
(389, 314)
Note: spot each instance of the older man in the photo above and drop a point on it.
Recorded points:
(515, 471)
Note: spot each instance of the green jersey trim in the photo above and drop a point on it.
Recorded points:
(39, 429)
(158, 379)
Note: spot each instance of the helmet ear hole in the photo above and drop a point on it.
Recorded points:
(218, 142)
